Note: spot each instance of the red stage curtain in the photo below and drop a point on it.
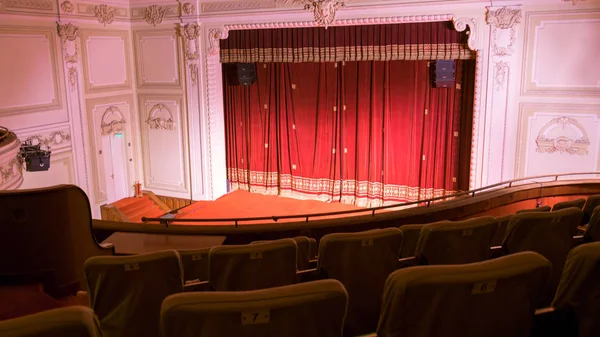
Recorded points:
(409, 41)
(368, 133)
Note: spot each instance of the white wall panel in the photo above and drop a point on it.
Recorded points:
(157, 59)
(106, 60)
(164, 145)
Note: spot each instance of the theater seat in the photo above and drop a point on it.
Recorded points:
(303, 245)
(579, 288)
(578, 203)
(195, 264)
(592, 232)
(409, 241)
(504, 220)
(592, 202)
(126, 292)
(456, 242)
(252, 267)
(312, 252)
(74, 321)
(361, 261)
(550, 234)
(314, 309)
(484, 299)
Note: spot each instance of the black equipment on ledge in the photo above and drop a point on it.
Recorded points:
(442, 73)
(34, 157)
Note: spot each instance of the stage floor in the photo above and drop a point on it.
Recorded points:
(242, 204)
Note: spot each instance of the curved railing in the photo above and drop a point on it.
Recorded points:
(373, 210)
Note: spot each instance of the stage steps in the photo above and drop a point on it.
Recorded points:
(132, 209)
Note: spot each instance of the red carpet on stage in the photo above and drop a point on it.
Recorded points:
(242, 204)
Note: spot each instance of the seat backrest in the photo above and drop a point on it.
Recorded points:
(491, 298)
(312, 251)
(579, 288)
(314, 309)
(592, 233)
(195, 264)
(567, 204)
(75, 321)
(252, 267)
(550, 234)
(361, 261)
(592, 202)
(54, 227)
(409, 241)
(126, 291)
(504, 220)
(303, 245)
(456, 242)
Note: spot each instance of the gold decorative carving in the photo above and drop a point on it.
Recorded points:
(194, 73)
(68, 34)
(503, 18)
(188, 8)
(323, 10)
(501, 74)
(563, 135)
(104, 14)
(54, 138)
(73, 78)
(214, 35)
(154, 14)
(190, 33)
(67, 7)
(112, 121)
(160, 118)
(13, 168)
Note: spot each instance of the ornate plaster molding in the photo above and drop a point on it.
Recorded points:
(160, 118)
(193, 73)
(563, 135)
(504, 18)
(69, 33)
(104, 14)
(210, 7)
(323, 10)
(461, 24)
(190, 33)
(574, 1)
(52, 139)
(112, 121)
(154, 14)
(501, 70)
(188, 8)
(40, 5)
(214, 35)
(67, 7)
(72, 78)
(8, 170)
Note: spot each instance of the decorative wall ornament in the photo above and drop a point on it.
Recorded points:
(323, 10)
(67, 7)
(504, 18)
(188, 8)
(73, 78)
(160, 118)
(563, 135)
(574, 1)
(50, 140)
(10, 169)
(42, 5)
(236, 6)
(105, 14)
(154, 14)
(214, 35)
(68, 34)
(194, 73)
(112, 121)
(461, 24)
(501, 74)
(190, 33)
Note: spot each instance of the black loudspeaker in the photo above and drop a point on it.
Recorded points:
(442, 73)
(245, 73)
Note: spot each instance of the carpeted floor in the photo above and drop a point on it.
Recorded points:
(242, 204)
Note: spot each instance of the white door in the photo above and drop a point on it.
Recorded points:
(115, 166)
